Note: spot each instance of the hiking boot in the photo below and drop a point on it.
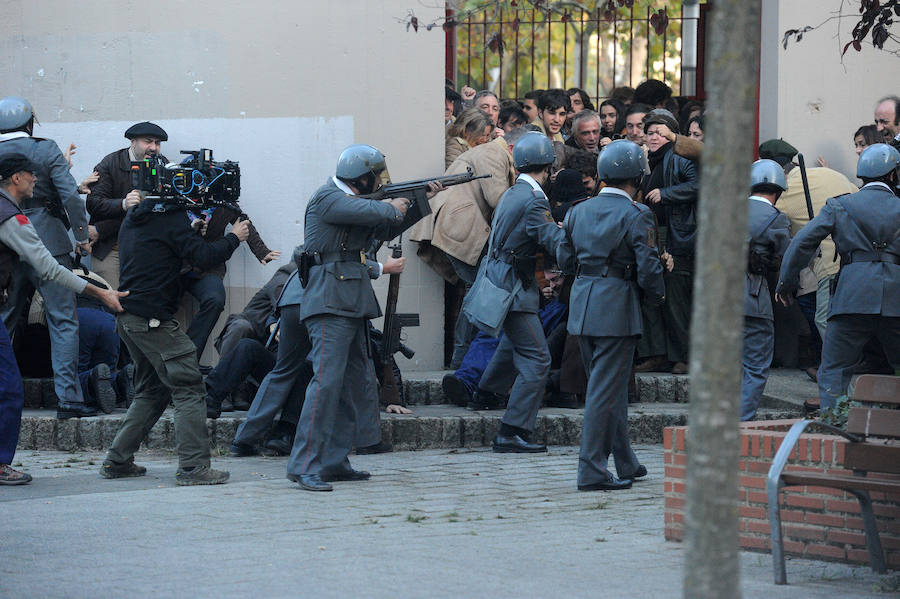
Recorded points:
(10, 476)
(127, 470)
(200, 475)
(100, 386)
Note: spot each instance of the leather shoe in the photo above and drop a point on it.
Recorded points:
(75, 410)
(344, 474)
(278, 446)
(486, 400)
(455, 390)
(680, 368)
(614, 484)
(240, 450)
(516, 444)
(641, 472)
(380, 447)
(652, 364)
(310, 482)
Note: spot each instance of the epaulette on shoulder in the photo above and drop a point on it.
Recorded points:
(638, 206)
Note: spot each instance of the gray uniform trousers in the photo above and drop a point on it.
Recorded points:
(608, 360)
(281, 387)
(847, 335)
(336, 395)
(62, 321)
(165, 366)
(524, 342)
(759, 347)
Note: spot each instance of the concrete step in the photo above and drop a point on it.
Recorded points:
(430, 427)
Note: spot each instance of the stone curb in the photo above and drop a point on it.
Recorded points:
(442, 428)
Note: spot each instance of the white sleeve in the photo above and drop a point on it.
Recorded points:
(23, 239)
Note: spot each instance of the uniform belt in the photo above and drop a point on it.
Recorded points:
(509, 257)
(882, 256)
(340, 256)
(602, 270)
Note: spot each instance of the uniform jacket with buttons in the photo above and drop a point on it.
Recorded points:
(523, 218)
(55, 185)
(610, 306)
(344, 288)
(863, 287)
(770, 233)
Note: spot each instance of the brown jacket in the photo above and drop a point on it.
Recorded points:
(453, 147)
(463, 216)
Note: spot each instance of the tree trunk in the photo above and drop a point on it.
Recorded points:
(711, 564)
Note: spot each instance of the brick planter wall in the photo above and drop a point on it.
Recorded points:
(818, 523)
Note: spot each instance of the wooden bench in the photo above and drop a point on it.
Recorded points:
(874, 447)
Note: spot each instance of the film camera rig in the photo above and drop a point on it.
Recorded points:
(196, 182)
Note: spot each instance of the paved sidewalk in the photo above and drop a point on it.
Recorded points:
(437, 523)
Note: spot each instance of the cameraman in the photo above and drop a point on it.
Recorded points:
(112, 194)
(155, 239)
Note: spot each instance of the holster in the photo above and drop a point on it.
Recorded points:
(304, 263)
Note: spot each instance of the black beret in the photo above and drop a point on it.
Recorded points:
(146, 129)
(10, 164)
(778, 150)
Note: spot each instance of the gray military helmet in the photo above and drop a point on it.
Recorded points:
(767, 172)
(359, 159)
(620, 160)
(15, 112)
(876, 161)
(533, 149)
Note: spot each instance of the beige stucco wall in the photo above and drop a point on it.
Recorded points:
(280, 86)
(808, 95)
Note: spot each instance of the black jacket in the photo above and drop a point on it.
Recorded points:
(152, 247)
(679, 203)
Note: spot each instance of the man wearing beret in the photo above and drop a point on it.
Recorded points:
(52, 208)
(20, 240)
(113, 194)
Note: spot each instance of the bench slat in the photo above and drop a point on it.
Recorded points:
(841, 482)
(872, 457)
(877, 422)
(877, 388)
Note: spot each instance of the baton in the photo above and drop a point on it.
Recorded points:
(809, 207)
(273, 333)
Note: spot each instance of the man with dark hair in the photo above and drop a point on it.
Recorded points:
(671, 189)
(887, 116)
(586, 164)
(522, 223)
(530, 104)
(53, 207)
(512, 117)
(864, 304)
(19, 241)
(452, 104)
(623, 94)
(634, 123)
(653, 92)
(552, 109)
(113, 194)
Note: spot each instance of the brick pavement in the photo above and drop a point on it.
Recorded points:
(436, 523)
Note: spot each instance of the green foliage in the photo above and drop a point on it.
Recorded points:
(513, 46)
(838, 415)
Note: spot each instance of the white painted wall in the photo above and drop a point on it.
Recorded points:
(280, 86)
(808, 95)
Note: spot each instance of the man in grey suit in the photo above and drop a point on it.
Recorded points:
(865, 227)
(522, 223)
(54, 207)
(770, 233)
(336, 302)
(609, 243)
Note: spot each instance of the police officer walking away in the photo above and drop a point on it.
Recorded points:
(770, 234)
(865, 227)
(155, 239)
(19, 240)
(609, 242)
(337, 301)
(522, 223)
(54, 207)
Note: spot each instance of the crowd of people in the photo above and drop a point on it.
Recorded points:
(585, 233)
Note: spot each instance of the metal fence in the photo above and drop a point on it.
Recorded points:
(511, 49)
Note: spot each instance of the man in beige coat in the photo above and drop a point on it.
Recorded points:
(459, 225)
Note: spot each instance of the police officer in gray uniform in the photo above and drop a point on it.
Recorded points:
(336, 302)
(609, 243)
(770, 234)
(522, 223)
(865, 227)
(54, 207)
